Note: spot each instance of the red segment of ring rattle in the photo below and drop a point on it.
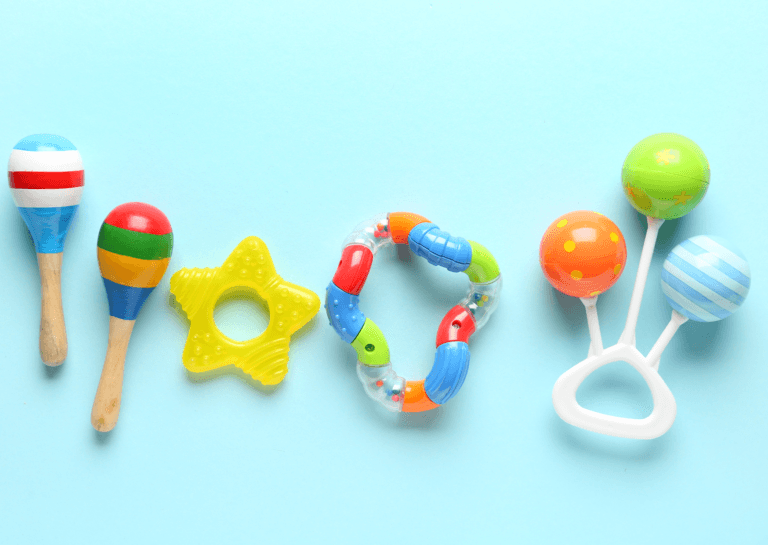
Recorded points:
(439, 248)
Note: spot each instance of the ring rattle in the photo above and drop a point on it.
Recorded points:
(704, 278)
(427, 240)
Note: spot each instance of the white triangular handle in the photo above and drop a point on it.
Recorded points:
(650, 427)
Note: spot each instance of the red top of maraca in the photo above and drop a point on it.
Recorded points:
(140, 217)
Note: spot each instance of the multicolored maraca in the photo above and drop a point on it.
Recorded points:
(45, 173)
(134, 248)
(664, 176)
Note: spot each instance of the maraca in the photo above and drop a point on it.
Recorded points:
(134, 248)
(45, 173)
(664, 176)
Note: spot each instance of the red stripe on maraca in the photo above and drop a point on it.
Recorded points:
(46, 180)
(139, 217)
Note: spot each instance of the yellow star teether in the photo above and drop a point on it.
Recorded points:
(250, 266)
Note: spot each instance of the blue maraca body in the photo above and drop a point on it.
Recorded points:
(705, 278)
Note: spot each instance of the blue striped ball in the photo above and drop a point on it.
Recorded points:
(705, 278)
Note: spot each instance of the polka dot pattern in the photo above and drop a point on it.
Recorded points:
(582, 253)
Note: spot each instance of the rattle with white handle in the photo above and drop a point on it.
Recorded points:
(704, 278)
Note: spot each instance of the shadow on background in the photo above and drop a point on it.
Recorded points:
(704, 343)
(610, 448)
(102, 438)
(53, 372)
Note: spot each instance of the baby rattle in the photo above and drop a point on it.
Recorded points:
(45, 174)
(704, 279)
(439, 248)
(134, 248)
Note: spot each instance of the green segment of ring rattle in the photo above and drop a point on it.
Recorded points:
(452, 357)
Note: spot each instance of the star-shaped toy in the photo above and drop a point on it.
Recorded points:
(682, 198)
(250, 266)
(666, 156)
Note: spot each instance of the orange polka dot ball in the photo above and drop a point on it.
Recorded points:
(582, 253)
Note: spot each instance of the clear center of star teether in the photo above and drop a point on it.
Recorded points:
(241, 315)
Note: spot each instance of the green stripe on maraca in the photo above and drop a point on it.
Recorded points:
(134, 244)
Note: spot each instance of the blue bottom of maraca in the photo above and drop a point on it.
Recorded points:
(48, 226)
(125, 301)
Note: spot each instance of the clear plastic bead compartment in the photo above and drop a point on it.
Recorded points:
(373, 233)
(382, 384)
(482, 300)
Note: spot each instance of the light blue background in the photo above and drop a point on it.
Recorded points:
(295, 121)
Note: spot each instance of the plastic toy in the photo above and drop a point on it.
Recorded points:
(248, 268)
(134, 248)
(664, 176)
(45, 173)
(583, 253)
(705, 279)
(456, 254)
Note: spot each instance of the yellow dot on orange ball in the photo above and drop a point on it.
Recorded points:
(595, 293)
(562, 223)
(569, 246)
(617, 268)
(577, 275)
(614, 237)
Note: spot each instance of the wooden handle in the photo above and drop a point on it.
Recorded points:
(106, 406)
(53, 332)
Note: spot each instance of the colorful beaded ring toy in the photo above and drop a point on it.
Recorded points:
(452, 358)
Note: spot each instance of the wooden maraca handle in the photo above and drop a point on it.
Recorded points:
(53, 332)
(106, 406)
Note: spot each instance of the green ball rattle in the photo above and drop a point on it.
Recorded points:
(665, 176)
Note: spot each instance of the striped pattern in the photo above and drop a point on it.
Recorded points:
(125, 302)
(44, 142)
(134, 248)
(129, 271)
(134, 244)
(705, 278)
(47, 198)
(46, 177)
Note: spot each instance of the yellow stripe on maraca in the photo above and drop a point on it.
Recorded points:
(131, 271)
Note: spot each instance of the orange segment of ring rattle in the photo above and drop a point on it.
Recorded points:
(441, 249)
(249, 266)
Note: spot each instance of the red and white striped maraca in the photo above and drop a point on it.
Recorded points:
(45, 173)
